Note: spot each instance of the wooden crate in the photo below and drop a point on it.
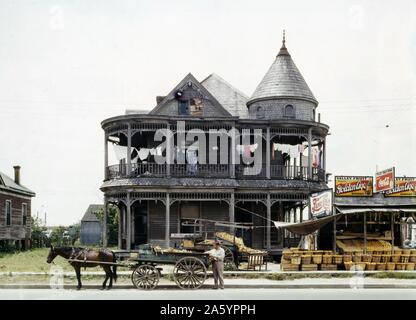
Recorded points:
(329, 267)
(289, 267)
(309, 267)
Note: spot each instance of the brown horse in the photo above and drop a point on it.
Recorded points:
(91, 257)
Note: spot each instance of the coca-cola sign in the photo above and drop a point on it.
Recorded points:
(353, 186)
(384, 180)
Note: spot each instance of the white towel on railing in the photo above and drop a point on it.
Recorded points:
(143, 153)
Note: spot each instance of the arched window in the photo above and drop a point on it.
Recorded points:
(260, 113)
(289, 111)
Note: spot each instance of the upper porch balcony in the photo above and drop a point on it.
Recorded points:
(224, 171)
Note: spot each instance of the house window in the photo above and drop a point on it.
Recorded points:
(260, 113)
(183, 107)
(8, 212)
(24, 214)
(289, 111)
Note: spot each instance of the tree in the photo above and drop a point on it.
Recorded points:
(112, 223)
(38, 236)
(57, 236)
(74, 232)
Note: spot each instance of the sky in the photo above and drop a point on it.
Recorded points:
(67, 65)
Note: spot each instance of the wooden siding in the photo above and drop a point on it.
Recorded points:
(16, 230)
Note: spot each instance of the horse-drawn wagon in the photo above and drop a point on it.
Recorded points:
(189, 271)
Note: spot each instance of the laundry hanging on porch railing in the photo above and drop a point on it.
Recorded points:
(121, 153)
(294, 151)
(316, 157)
(246, 150)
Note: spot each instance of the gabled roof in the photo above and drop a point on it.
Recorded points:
(190, 78)
(8, 184)
(283, 80)
(230, 98)
(89, 215)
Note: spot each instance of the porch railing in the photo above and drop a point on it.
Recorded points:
(278, 172)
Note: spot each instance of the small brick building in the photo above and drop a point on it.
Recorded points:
(15, 211)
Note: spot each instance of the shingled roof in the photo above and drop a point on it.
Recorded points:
(90, 214)
(230, 98)
(283, 80)
(8, 184)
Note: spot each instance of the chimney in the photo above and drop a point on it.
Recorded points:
(17, 174)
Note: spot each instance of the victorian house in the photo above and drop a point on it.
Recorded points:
(278, 128)
(15, 211)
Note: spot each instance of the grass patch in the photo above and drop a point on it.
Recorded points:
(393, 275)
(33, 260)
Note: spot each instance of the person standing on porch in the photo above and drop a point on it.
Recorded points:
(217, 255)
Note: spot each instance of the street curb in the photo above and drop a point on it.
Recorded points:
(233, 286)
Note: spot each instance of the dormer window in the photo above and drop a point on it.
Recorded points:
(183, 107)
(260, 113)
(289, 111)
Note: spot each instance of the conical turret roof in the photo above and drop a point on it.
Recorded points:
(282, 80)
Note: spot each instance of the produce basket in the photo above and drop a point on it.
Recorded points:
(390, 266)
(404, 258)
(295, 259)
(360, 266)
(406, 252)
(412, 258)
(385, 258)
(397, 251)
(413, 252)
(327, 258)
(376, 258)
(357, 257)
(348, 258)
(306, 259)
(381, 266)
(410, 266)
(400, 266)
(318, 259)
(348, 265)
(337, 258)
(370, 266)
(366, 258)
(395, 258)
(287, 254)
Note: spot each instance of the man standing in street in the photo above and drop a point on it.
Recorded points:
(217, 255)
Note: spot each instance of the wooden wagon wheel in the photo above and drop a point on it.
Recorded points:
(229, 262)
(145, 277)
(189, 273)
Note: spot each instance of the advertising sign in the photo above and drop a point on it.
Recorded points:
(353, 186)
(321, 203)
(384, 180)
(403, 187)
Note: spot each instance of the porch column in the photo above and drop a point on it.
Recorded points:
(324, 155)
(231, 212)
(129, 169)
(233, 153)
(105, 155)
(104, 235)
(128, 240)
(268, 153)
(269, 217)
(168, 151)
(167, 222)
(120, 227)
(310, 154)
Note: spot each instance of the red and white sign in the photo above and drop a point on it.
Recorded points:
(321, 203)
(385, 180)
